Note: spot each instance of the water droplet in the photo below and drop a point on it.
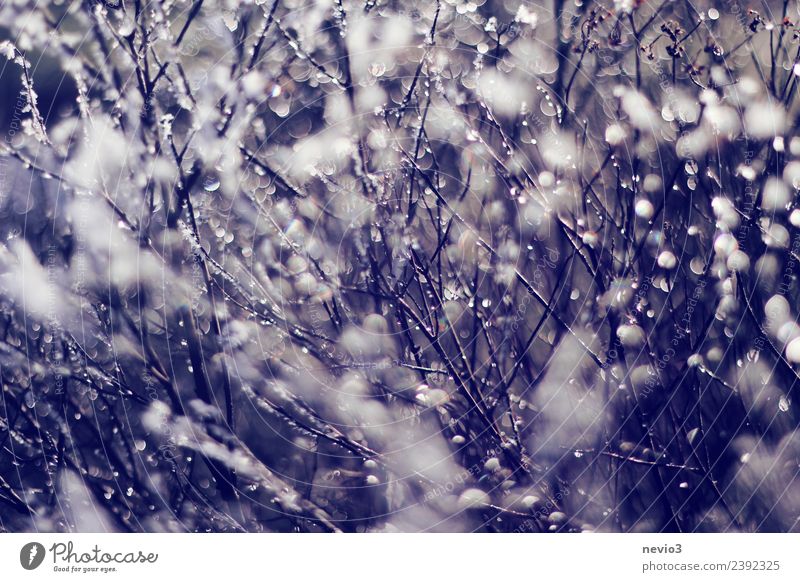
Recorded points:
(784, 403)
(211, 184)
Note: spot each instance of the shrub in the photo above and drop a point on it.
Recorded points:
(374, 266)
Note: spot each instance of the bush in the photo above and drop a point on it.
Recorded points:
(378, 266)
